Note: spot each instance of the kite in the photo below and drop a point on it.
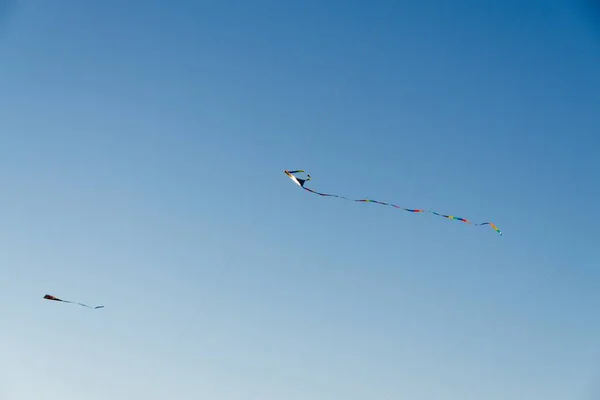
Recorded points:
(49, 297)
(301, 182)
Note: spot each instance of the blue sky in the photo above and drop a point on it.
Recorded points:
(142, 149)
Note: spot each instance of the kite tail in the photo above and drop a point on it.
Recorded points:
(86, 306)
(95, 308)
(301, 182)
(325, 194)
(494, 227)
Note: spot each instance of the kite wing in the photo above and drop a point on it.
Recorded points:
(300, 182)
(53, 298)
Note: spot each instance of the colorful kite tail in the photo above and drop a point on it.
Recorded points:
(300, 182)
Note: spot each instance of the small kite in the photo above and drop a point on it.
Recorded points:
(49, 297)
(300, 182)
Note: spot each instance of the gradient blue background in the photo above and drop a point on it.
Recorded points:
(142, 149)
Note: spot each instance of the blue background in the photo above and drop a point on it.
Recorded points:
(142, 149)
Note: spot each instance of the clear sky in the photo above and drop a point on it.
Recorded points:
(142, 149)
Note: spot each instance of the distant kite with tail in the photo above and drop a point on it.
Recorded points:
(300, 182)
(49, 297)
